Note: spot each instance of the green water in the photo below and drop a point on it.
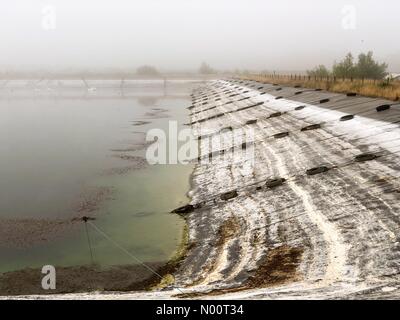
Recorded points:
(54, 148)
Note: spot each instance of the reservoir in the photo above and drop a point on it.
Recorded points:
(73, 148)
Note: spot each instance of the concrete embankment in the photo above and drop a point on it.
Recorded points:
(319, 205)
(312, 213)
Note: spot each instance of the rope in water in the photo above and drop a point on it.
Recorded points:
(90, 245)
(127, 252)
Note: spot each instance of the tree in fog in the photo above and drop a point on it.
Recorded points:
(147, 71)
(206, 69)
(345, 68)
(320, 72)
(368, 68)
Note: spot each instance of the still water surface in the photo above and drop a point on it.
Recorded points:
(66, 151)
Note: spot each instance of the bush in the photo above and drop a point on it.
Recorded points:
(366, 67)
(147, 71)
(206, 69)
(345, 68)
(320, 72)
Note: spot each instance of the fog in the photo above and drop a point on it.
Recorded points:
(180, 34)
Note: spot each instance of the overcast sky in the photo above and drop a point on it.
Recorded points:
(180, 34)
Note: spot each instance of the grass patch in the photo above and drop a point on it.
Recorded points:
(368, 88)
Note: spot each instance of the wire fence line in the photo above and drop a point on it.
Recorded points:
(382, 88)
(329, 78)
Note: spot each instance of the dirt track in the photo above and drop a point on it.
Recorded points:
(332, 232)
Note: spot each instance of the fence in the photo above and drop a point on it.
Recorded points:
(387, 88)
(309, 78)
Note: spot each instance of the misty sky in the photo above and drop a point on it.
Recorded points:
(180, 34)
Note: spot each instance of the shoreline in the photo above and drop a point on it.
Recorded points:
(308, 236)
(33, 275)
(121, 278)
(210, 271)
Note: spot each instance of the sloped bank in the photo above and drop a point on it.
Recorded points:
(324, 184)
(315, 214)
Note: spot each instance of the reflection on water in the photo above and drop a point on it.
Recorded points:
(67, 151)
